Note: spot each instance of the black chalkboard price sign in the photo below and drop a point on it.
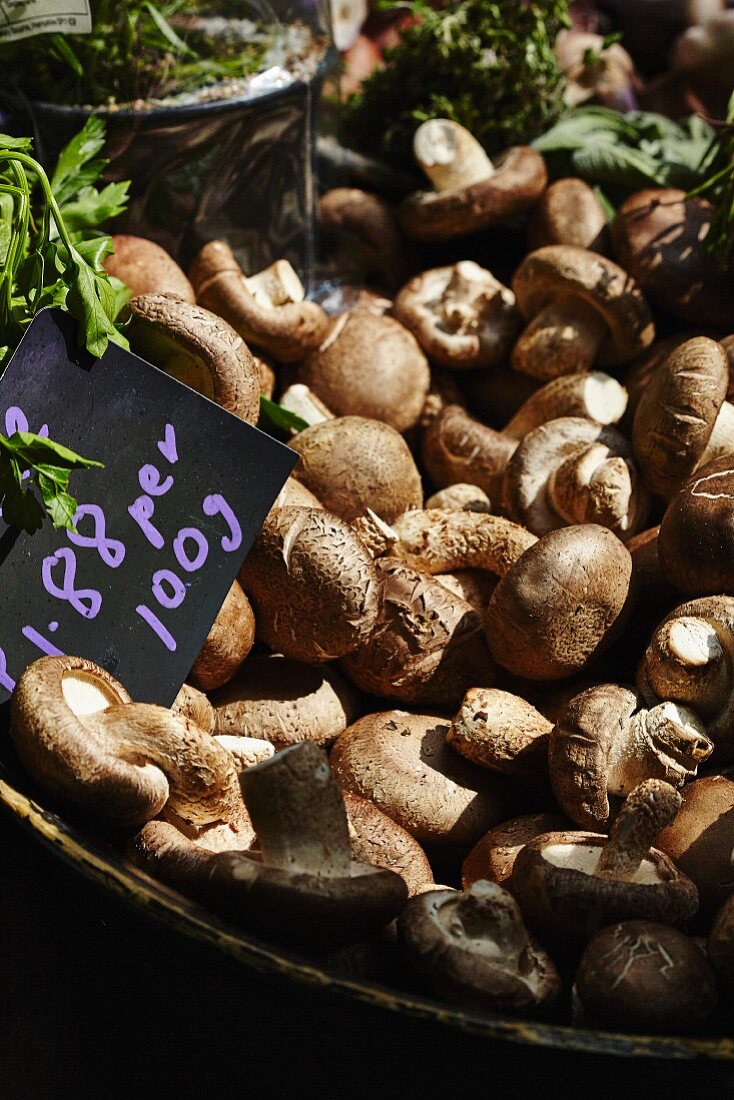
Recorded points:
(161, 531)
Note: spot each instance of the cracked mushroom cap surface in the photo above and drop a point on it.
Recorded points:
(643, 976)
(353, 463)
(513, 188)
(556, 882)
(402, 763)
(561, 271)
(370, 365)
(676, 413)
(696, 540)
(198, 348)
(562, 603)
(473, 948)
(462, 317)
(657, 237)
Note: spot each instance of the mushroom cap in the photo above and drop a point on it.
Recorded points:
(701, 839)
(378, 840)
(559, 271)
(569, 212)
(462, 317)
(580, 749)
(230, 639)
(696, 540)
(561, 605)
(554, 881)
(287, 332)
(426, 646)
(493, 857)
(677, 411)
(603, 485)
(402, 764)
(657, 237)
(458, 448)
(501, 731)
(721, 944)
(370, 365)
(194, 705)
(313, 585)
(473, 948)
(146, 268)
(642, 976)
(368, 223)
(295, 495)
(285, 701)
(516, 185)
(199, 349)
(352, 464)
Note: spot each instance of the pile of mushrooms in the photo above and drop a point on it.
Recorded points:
(466, 715)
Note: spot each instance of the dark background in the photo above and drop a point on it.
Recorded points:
(98, 1000)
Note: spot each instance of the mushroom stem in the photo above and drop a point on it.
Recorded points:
(449, 155)
(666, 742)
(298, 812)
(377, 536)
(646, 812)
(687, 662)
(596, 486)
(437, 541)
(595, 395)
(563, 338)
(277, 285)
(303, 402)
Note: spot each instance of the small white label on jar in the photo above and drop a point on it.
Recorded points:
(22, 18)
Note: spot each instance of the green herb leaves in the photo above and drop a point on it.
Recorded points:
(29, 462)
(278, 421)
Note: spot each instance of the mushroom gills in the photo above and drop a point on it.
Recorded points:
(585, 858)
(85, 693)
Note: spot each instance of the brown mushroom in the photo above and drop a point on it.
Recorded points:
(369, 365)
(642, 976)
(473, 948)
(402, 763)
(639, 373)
(605, 743)
(572, 470)
(230, 639)
(378, 840)
(285, 702)
(571, 884)
(437, 541)
(461, 316)
(701, 839)
(721, 945)
(302, 887)
(197, 348)
(503, 732)
(268, 310)
(593, 395)
(459, 497)
(657, 237)
(595, 70)
(352, 464)
(77, 734)
(295, 495)
(456, 447)
(690, 660)
(193, 704)
(367, 232)
(313, 585)
(493, 857)
(582, 308)
(146, 268)
(696, 541)
(682, 419)
(569, 213)
(426, 645)
(470, 192)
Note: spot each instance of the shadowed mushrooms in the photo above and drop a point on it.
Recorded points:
(574, 471)
(369, 365)
(227, 644)
(501, 731)
(352, 464)
(461, 316)
(402, 763)
(582, 308)
(78, 735)
(696, 540)
(682, 419)
(268, 310)
(456, 447)
(493, 857)
(605, 744)
(571, 884)
(473, 947)
(569, 213)
(378, 840)
(721, 945)
(657, 238)
(470, 193)
(641, 976)
(313, 584)
(146, 268)
(302, 887)
(197, 348)
(368, 234)
(285, 702)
